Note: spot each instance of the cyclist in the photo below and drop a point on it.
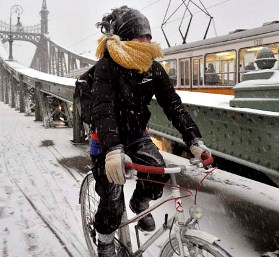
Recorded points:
(125, 79)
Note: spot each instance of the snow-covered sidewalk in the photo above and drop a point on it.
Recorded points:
(39, 209)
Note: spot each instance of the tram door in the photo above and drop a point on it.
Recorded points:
(185, 73)
(197, 68)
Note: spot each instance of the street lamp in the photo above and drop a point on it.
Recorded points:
(18, 10)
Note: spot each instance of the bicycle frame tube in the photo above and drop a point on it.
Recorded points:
(179, 211)
(145, 212)
(179, 223)
(124, 234)
(157, 234)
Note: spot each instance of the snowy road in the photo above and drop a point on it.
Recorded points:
(39, 210)
(39, 190)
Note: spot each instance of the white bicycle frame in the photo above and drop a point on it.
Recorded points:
(179, 225)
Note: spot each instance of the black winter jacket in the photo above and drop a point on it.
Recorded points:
(121, 98)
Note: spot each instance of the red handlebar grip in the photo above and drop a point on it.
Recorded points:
(207, 159)
(145, 168)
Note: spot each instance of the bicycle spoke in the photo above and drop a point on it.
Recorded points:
(89, 205)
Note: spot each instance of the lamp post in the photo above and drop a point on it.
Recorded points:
(18, 10)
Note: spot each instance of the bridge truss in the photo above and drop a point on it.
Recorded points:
(49, 56)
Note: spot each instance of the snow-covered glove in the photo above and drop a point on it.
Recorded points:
(115, 165)
(201, 152)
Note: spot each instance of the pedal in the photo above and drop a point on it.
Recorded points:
(93, 234)
(194, 161)
(165, 225)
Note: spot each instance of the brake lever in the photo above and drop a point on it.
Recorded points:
(196, 162)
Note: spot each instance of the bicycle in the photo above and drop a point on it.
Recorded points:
(187, 239)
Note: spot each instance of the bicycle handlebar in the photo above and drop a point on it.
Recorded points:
(207, 160)
(145, 168)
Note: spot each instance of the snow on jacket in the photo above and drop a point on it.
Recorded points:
(121, 98)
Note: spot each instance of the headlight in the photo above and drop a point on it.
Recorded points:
(196, 212)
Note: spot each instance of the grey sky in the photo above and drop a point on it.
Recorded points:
(72, 22)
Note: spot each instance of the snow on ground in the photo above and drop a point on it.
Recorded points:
(39, 191)
(39, 209)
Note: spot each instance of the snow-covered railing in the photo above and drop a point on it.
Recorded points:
(29, 90)
(59, 87)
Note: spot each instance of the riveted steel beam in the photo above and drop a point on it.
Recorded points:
(248, 138)
(2, 72)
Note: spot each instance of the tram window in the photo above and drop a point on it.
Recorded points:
(197, 71)
(170, 67)
(247, 57)
(220, 68)
(185, 72)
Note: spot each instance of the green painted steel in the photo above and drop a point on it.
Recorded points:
(247, 137)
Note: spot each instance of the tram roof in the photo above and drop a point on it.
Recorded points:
(266, 28)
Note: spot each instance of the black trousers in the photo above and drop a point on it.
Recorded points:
(111, 206)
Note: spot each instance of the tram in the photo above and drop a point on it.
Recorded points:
(216, 64)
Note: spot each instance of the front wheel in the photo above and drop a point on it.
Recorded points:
(192, 247)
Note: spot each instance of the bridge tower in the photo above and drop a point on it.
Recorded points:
(44, 18)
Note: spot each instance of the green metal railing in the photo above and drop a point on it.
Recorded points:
(242, 136)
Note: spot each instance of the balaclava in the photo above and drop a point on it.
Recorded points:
(131, 24)
(121, 26)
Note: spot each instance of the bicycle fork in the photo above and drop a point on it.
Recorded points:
(124, 235)
(179, 219)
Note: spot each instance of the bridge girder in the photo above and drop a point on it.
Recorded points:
(22, 36)
(49, 57)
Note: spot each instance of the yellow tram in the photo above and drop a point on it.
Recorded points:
(215, 65)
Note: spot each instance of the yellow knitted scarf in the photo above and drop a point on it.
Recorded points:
(129, 54)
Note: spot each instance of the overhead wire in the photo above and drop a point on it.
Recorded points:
(76, 43)
(150, 5)
(178, 19)
(81, 40)
(98, 31)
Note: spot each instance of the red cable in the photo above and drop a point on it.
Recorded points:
(167, 184)
(200, 183)
(171, 185)
(181, 188)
